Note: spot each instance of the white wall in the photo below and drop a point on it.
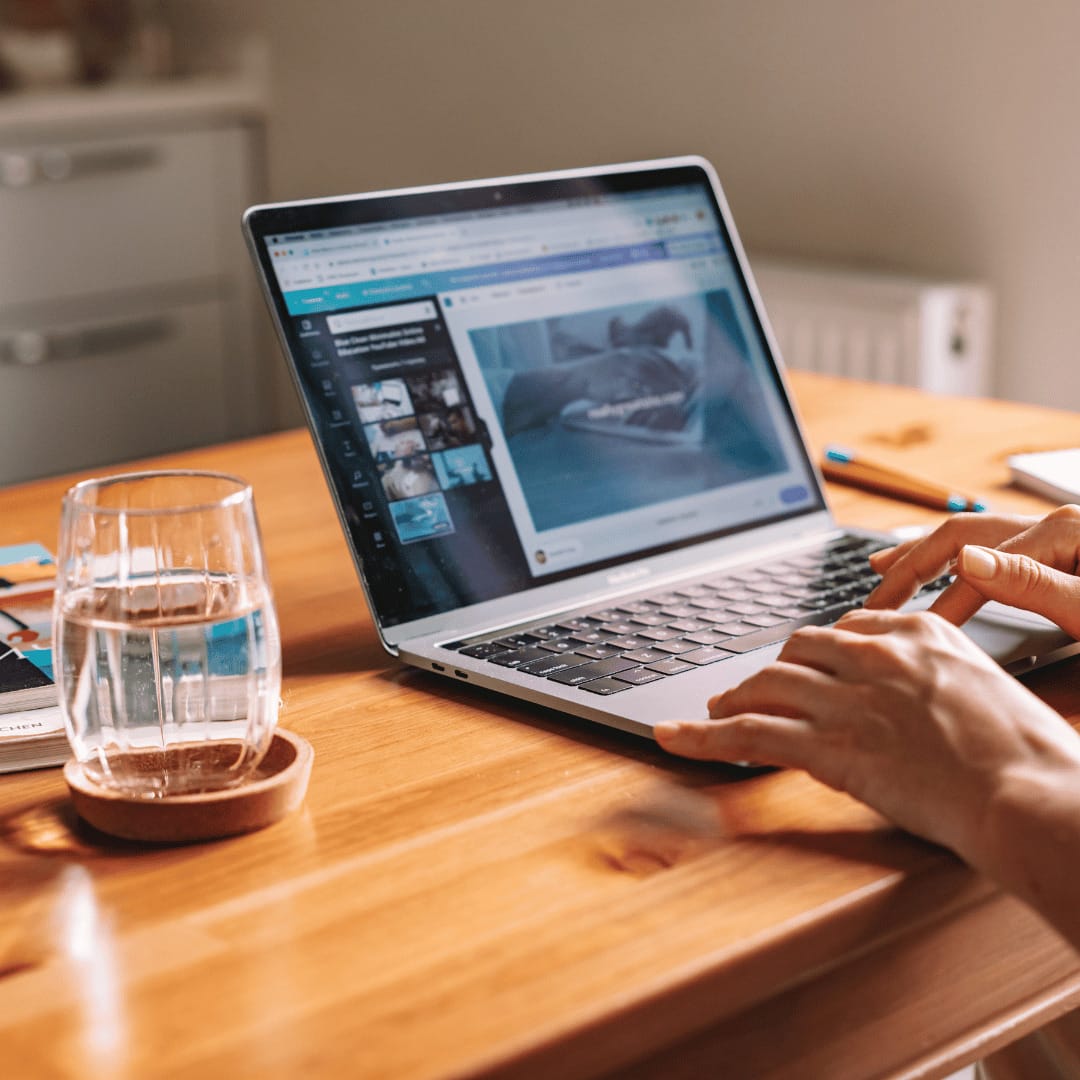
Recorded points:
(931, 136)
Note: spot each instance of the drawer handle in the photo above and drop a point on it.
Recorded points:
(27, 348)
(20, 169)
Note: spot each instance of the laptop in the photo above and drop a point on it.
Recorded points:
(554, 422)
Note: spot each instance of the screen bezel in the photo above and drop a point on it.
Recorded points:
(268, 220)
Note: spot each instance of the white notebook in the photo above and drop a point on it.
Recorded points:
(1052, 473)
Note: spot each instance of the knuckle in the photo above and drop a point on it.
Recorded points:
(1070, 513)
(956, 524)
(934, 627)
(1028, 574)
(915, 623)
(873, 651)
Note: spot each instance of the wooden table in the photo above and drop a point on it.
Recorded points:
(477, 887)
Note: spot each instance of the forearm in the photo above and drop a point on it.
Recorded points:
(1032, 837)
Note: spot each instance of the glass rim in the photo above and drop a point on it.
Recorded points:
(73, 497)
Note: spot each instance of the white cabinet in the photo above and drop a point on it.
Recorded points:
(129, 318)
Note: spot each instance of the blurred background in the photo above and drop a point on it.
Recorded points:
(896, 171)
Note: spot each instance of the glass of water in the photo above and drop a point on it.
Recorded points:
(168, 658)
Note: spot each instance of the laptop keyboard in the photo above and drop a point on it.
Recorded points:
(614, 649)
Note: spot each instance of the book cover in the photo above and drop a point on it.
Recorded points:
(23, 685)
(27, 583)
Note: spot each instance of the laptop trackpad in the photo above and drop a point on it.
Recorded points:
(1016, 639)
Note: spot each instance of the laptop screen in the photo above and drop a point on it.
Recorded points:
(514, 383)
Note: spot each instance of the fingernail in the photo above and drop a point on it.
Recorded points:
(977, 562)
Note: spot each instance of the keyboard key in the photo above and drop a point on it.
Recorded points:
(629, 642)
(606, 667)
(560, 646)
(688, 626)
(676, 647)
(731, 628)
(648, 620)
(706, 637)
(517, 641)
(483, 650)
(597, 652)
(663, 599)
(605, 686)
(765, 619)
(637, 676)
(574, 676)
(770, 599)
(659, 633)
(607, 615)
(636, 607)
(701, 589)
(795, 611)
(516, 657)
(590, 637)
(709, 655)
(644, 656)
(550, 664)
(671, 666)
(745, 608)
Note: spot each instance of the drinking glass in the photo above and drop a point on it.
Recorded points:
(168, 658)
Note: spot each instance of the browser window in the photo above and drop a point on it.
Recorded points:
(537, 389)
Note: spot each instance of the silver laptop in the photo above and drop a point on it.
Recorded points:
(554, 421)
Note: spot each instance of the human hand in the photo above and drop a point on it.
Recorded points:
(901, 711)
(1025, 562)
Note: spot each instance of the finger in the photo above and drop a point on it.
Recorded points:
(875, 621)
(814, 647)
(880, 561)
(1054, 541)
(1024, 582)
(1049, 545)
(930, 557)
(958, 602)
(781, 689)
(765, 740)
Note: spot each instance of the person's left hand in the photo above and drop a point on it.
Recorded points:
(900, 710)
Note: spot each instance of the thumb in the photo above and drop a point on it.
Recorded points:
(1023, 582)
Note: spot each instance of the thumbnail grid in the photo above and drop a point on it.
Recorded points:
(422, 437)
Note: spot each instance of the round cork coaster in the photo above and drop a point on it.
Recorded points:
(278, 788)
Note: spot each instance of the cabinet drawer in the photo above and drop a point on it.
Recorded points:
(103, 390)
(87, 216)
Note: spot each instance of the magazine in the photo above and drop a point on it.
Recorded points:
(31, 724)
(34, 739)
(27, 582)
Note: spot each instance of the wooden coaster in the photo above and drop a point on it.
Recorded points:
(277, 789)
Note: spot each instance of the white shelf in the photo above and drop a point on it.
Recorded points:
(202, 101)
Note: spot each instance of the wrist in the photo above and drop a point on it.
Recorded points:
(1032, 822)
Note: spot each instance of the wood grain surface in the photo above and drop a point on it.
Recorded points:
(478, 888)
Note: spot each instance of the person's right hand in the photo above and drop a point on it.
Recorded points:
(1025, 562)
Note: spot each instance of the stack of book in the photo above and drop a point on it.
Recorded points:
(31, 725)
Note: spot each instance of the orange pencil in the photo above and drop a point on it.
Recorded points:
(845, 467)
